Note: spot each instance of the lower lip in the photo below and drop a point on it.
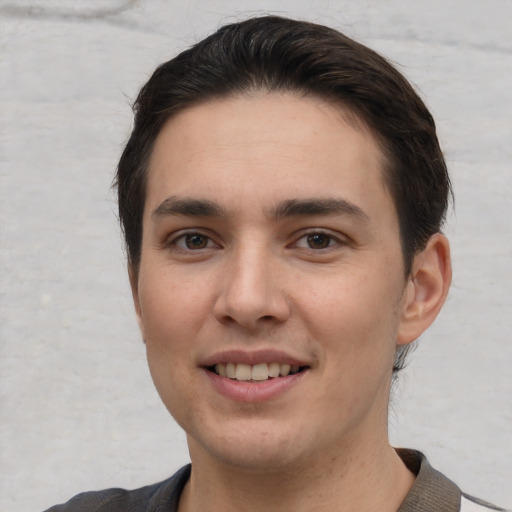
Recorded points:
(253, 391)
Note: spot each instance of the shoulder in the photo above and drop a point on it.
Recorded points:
(152, 498)
(95, 501)
(433, 492)
(471, 504)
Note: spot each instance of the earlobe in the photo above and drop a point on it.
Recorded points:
(426, 289)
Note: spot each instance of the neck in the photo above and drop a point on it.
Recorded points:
(373, 478)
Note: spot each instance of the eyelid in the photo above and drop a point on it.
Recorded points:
(339, 239)
(173, 239)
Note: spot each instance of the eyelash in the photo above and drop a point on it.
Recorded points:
(332, 241)
(184, 237)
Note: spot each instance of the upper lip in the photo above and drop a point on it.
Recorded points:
(253, 357)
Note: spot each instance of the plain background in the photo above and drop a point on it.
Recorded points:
(78, 408)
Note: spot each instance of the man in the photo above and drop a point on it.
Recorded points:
(282, 196)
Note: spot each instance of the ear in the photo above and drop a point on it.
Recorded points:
(426, 289)
(134, 285)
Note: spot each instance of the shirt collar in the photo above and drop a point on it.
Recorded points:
(431, 490)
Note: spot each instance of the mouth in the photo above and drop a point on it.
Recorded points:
(255, 372)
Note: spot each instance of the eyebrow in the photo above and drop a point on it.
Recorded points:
(188, 207)
(292, 207)
(320, 206)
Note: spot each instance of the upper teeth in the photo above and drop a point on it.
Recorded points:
(262, 371)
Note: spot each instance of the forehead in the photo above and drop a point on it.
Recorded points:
(265, 148)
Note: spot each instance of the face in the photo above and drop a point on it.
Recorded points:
(271, 283)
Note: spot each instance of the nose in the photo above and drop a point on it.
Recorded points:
(250, 294)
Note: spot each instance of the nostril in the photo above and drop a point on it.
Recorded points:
(250, 310)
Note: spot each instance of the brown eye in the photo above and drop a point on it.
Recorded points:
(193, 242)
(196, 241)
(318, 241)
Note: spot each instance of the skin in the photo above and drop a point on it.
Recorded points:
(324, 286)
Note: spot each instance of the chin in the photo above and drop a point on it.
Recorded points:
(265, 449)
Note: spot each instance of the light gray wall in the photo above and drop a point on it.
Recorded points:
(78, 409)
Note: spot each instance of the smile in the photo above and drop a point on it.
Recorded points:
(257, 372)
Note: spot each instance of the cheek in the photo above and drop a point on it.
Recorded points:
(168, 328)
(172, 308)
(353, 314)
